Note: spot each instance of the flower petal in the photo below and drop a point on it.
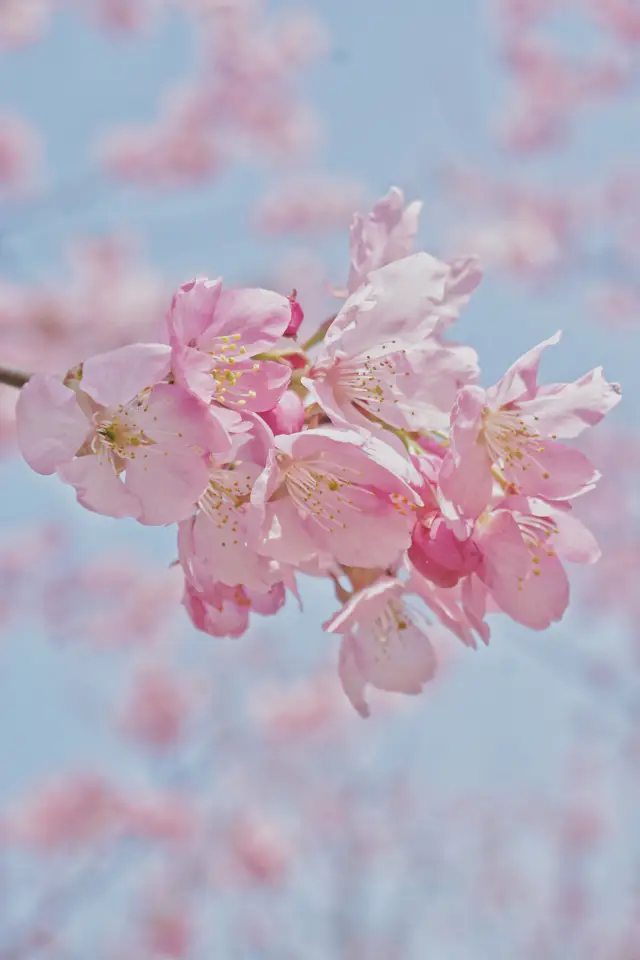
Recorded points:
(116, 377)
(98, 487)
(51, 427)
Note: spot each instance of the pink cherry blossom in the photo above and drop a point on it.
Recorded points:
(216, 545)
(382, 357)
(337, 492)
(384, 235)
(523, 542)
(217, 337)
(513, 427)
(385, 644)
(130, 444)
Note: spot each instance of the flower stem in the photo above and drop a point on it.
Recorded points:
(13, 378)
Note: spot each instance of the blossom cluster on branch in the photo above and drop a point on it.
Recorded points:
(368, 455)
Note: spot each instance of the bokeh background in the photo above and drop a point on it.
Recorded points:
(167, 795)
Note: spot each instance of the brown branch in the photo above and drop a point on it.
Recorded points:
(13, 378)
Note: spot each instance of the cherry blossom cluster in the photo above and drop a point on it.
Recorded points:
(368, 455)
(550, 86)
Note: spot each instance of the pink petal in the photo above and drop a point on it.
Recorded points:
(172, 417)
(468, 483)
(118, 376)
(98, 488)
(553, 471)
(192, 309)
(167, 483)
(259, 316)
(399, 302)
(287, 537)
(220, 551)
(353, 682)
(505, 553)
(520, 380)
(365, 534)
(192, 370)
(566, 409)
(573, 541)
(540, 599)
(51, 427)
(401, 665)
(268, 383)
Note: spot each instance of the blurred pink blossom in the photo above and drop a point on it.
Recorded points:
(20, 153)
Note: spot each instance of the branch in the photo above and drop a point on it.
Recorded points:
(13, 378)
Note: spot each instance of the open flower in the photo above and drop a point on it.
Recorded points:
(130, 444)
(336, 492)
(384, 235)
(385, 643)
(383, 358)
(514, 427)
(215, 545)
(523, 542)
(217, 337)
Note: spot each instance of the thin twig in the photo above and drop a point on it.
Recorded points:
(13, 378)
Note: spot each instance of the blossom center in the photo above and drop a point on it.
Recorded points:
(117, 438)
(510, 440)
(229, 366)
(323, 492)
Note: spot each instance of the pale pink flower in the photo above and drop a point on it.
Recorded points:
(382, 358)
(215, 545)
(338, 493)
(216, 336)
(385, 644)
(129, 444)
(523, 542)
(513, 427)
(384, 235)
